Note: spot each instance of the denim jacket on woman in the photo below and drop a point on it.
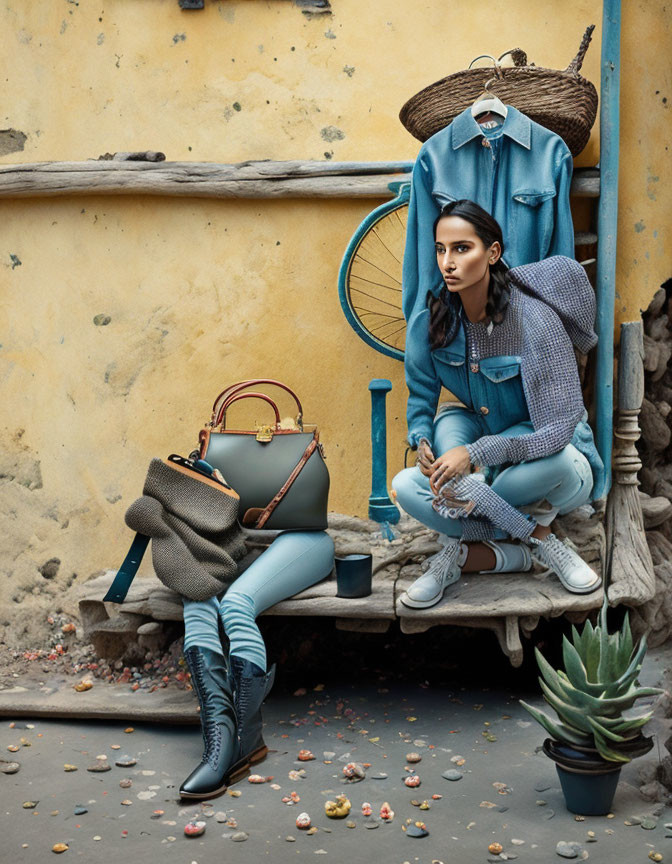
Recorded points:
(523, 369)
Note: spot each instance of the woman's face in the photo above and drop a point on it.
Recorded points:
(462, 257)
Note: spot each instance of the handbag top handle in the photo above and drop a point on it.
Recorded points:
(251, 395)
(218, 412)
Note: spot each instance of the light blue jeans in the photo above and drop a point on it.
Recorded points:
(293, 562)
(564, 479)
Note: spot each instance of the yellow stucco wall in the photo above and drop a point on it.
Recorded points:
(201, 293)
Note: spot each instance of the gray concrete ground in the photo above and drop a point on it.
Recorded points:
(509, 793)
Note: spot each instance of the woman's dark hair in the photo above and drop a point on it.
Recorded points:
(444, 310)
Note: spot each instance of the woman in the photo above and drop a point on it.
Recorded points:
(502, 342)
(230, 677)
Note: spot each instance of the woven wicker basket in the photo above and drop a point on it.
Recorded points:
(561, 100)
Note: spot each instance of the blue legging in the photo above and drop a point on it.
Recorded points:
(292, 563)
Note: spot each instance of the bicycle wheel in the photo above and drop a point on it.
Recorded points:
(369, 280)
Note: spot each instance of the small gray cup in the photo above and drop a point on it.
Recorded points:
(353, 575)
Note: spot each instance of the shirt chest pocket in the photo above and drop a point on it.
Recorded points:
(532, 214)
(503, 394)
(451, 372)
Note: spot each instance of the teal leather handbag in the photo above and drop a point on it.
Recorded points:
(279, 472)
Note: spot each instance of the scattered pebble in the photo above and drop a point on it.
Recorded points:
(290, 839)
(649, 823)
(380, 776)
(125, 783)
(655, 856)
(125, 762)
(60, 847)
(371, 824)
(354, 771)
(239, 837)
(99, 766)
(413, 757)
(297, 775)
(157, 814)
(568, 850)
(79, 810)
(452, 774)
(195, 829)
(97, 837)
(234, 793)
(366, 809)
(386, 812)
(632, 820)
(68, 767)
(591, 838)
(220, 816)
(256, 778)
(350, 824)
(82, 686)
(412, 781)
(417, 829)
(458, 760)
(29, 805)
(127, 802)
(303, 821)
(129, 729)
(339, 808)
(13, 748)
(305, 756)
(495, 848)
(516, 842)
(7, 767)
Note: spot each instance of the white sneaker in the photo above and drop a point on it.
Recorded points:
(567, 565)
(443, 570)
(509, 557)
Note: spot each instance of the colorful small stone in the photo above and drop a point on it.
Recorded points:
(82, 686)
(305, 756)
(339, 808)
(29, 805)
(386, 812)
(413, 757)
(367, 810)
(412, 780)
(294, 796)
(126, 783)
(495, 848)
(194, 829)
(297, 775)
(60, 847)
(256, 778)
(303, 821)
(354, 771)
(655, 856)
(68, 767)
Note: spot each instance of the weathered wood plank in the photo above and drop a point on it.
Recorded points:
(498, 595)
(268, 179)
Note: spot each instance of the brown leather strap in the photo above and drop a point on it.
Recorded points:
(252, 395)
(241, 385)
(277, 498)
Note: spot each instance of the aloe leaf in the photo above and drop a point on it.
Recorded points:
(576, 671)
(606, 752)
(592, 652)
(627, 644)
(569, 714)
(577, 643)
(606, 733)
(603, 663)
(608, 707)
(619, 724)
(557, 730)
(549, 675)
(628, 677)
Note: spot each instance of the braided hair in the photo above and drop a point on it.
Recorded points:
(444, 309)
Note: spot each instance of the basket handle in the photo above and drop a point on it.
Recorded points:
(251, 395)
(577, 62)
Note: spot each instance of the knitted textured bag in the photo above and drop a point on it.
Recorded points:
(191, 518)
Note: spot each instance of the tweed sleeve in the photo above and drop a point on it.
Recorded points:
(552, 391)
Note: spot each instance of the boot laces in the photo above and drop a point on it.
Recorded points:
(212, 734)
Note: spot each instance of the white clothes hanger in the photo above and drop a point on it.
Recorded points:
(488, 102)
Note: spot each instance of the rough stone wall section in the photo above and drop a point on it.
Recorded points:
(655, 451)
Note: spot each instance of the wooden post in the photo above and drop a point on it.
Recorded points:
(632, 578)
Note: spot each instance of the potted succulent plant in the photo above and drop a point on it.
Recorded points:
(591, 737)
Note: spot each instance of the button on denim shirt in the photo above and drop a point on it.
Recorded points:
(522, 178)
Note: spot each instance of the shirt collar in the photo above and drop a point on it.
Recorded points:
(516, 125)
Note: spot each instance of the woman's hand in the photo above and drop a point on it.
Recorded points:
(453, 462)
(425, 458)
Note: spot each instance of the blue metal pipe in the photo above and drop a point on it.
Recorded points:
(607, 224)
(381, 507)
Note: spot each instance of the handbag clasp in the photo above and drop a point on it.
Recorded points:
(264, 434)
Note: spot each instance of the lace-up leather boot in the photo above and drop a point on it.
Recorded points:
(217, 769)
(251, 685)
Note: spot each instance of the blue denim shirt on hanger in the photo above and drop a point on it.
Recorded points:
(519, 172)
